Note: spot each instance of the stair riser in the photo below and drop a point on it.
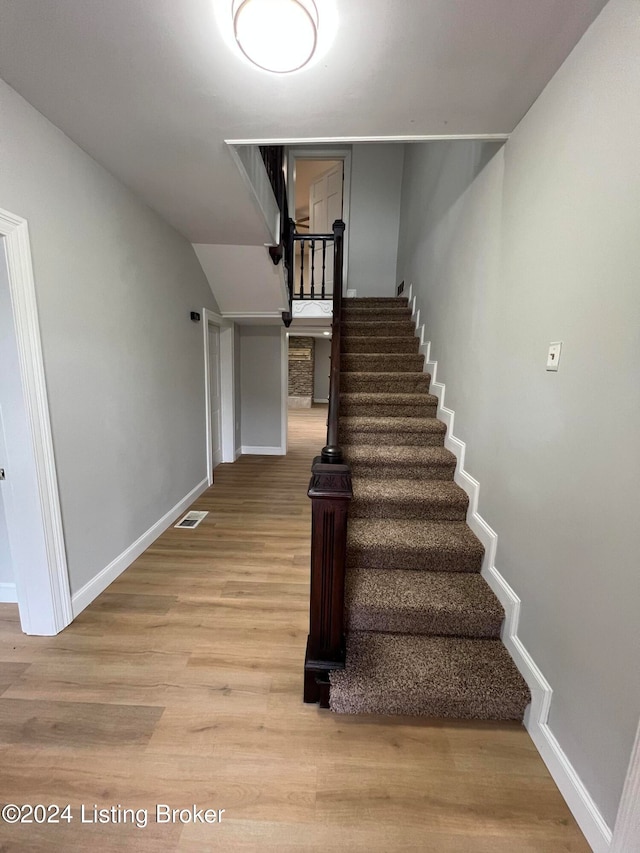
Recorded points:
(399, 328)
(376, 301)
(424, 622)
(382, 363)
(402, 383)
(380, 410)
(425, 560)
(388, 703)
(403, 472)
(429, 511)
(392, 439)
(376, 314)
(356, 343)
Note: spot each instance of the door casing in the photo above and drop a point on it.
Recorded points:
(227, 388)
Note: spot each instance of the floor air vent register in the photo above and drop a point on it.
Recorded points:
(191, 519)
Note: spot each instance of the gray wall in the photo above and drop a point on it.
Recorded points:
(376, 180)
(123, 361)
(321, 369)
(261, 386)
(542, 245)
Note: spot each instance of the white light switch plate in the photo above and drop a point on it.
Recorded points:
(553, 356)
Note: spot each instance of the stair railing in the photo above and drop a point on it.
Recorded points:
(273, 157)
(311, 257)
(307, 257)
(330, 491)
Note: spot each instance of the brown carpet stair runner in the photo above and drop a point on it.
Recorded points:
(423, 625)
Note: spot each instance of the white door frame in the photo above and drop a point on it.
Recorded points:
(326, 153)
(227, 388)
(626, 834)
(42, 587)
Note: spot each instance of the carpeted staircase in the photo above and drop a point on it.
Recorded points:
(423, 625)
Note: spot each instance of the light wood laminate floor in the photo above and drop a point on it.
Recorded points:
(182, 684)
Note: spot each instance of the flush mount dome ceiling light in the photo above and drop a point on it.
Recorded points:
(277, 35)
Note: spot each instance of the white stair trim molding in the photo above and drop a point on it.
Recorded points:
(575, 793)
(312, 308)
(92, 589)
(251, 450)
(8, 593)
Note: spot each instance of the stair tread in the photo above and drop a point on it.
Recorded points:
(442, 491)
(385, 374)
(399, 455)
(412, 535)
(389, 398)
(397, 599)
(368, 423)
(398, 362)
(428, 676)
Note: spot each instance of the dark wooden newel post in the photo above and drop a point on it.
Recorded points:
(330, 492)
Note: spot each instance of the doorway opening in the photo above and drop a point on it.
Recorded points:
(219, 390)
(215, 420)
(318, 189)
(309, 366)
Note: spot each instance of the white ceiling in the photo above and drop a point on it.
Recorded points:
(151, 89)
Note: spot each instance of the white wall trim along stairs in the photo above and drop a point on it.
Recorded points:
(578, 798)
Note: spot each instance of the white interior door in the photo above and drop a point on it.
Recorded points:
(325, 206)
(214, 395)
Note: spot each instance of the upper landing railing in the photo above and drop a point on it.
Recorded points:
(309, 259)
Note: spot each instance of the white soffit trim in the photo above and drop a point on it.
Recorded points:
(354, 140)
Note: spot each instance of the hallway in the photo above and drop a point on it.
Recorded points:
(182, 684)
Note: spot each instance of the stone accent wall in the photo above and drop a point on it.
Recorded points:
(301, 372)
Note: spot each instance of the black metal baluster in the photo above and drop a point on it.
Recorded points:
(301, 269)
(313, 268)
(324, 263)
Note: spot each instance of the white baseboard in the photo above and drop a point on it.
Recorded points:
(320, 399)
(250, 450)
(8, 593)
(101, 581)
(238, 453)
(578, 798)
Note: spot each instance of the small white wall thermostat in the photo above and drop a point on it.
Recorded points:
(553, 356)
